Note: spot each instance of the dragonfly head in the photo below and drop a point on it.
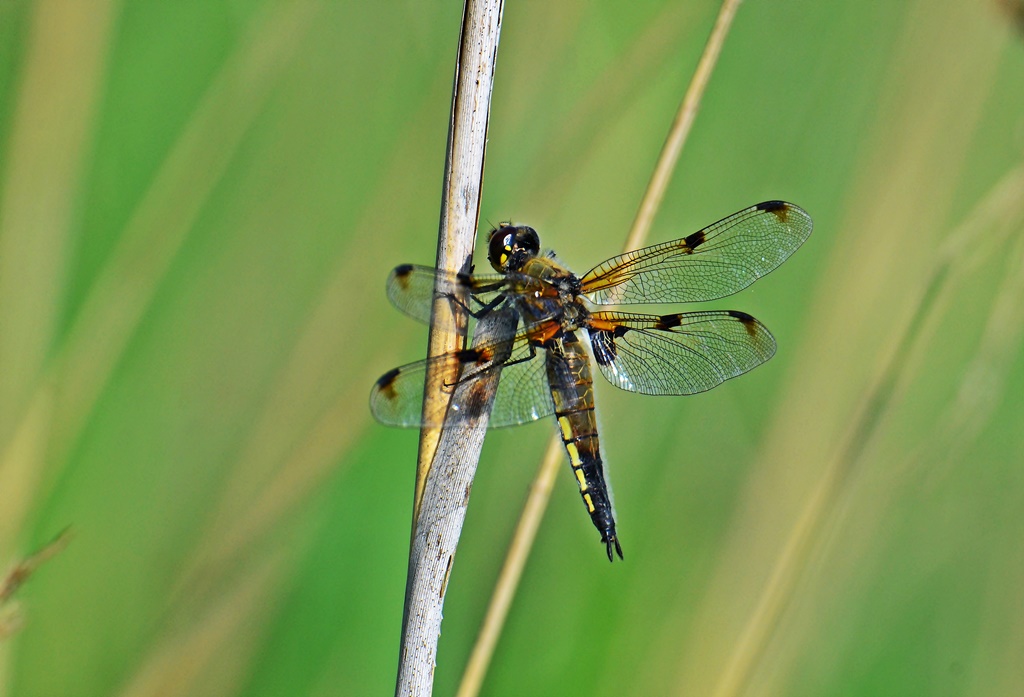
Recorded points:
(511, 246)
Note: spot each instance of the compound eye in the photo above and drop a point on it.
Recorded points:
(529, 240)
(499, 248)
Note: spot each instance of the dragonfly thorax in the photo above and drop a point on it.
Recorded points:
(574, 316)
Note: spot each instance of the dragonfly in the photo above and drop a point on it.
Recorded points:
(561, 332)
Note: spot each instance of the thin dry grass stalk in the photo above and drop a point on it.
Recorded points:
(52, 116)
(984, 380)
(550, 179)
(511, 571)
(10, 618)
(289, 452)
(680, 130)
(49, 424)
(460, 200)
(445, 499)
(902, 189)
(16, 577)
(213, 651)
(540, 489)
(296, 442)
(447, 459)
(1004, 200)
(52, 419)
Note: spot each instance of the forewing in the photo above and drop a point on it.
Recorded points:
(411, 289)
(677, 354)
(523, 394)
(719, 260)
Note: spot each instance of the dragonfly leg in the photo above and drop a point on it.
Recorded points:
(485, 307)
(482, 311)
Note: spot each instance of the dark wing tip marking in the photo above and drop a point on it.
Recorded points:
(779, 208)
(741, 316)
(748, 322)
(385, 382)
(402, 271)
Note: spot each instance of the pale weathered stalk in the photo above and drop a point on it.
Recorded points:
(447, 457)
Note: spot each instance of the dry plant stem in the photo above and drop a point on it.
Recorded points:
(984, 383)
(10, 615)
(13, 580)
(460, 197)
(1004, 200)
(445, 498)
(680, 130)
(55, 415)
(540, 489)
(447, 460)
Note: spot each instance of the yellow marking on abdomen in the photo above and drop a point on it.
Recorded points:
(590, 502)
(581, 478)
(563, 423)
(574, 455)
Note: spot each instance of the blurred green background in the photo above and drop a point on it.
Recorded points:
(201, 200)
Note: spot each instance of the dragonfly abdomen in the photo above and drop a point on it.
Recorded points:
(572, 390)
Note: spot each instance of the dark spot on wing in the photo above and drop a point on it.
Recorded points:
(402, 273)
(464, 279)
(386, 382)
(749, 323)
(467, 355)
(666, 322)
(779, 208)
(474, 355)
(693, 241)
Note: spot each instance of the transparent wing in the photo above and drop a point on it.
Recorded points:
(677, 354)
(719, 260)
(523, 394)
(411, 289)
